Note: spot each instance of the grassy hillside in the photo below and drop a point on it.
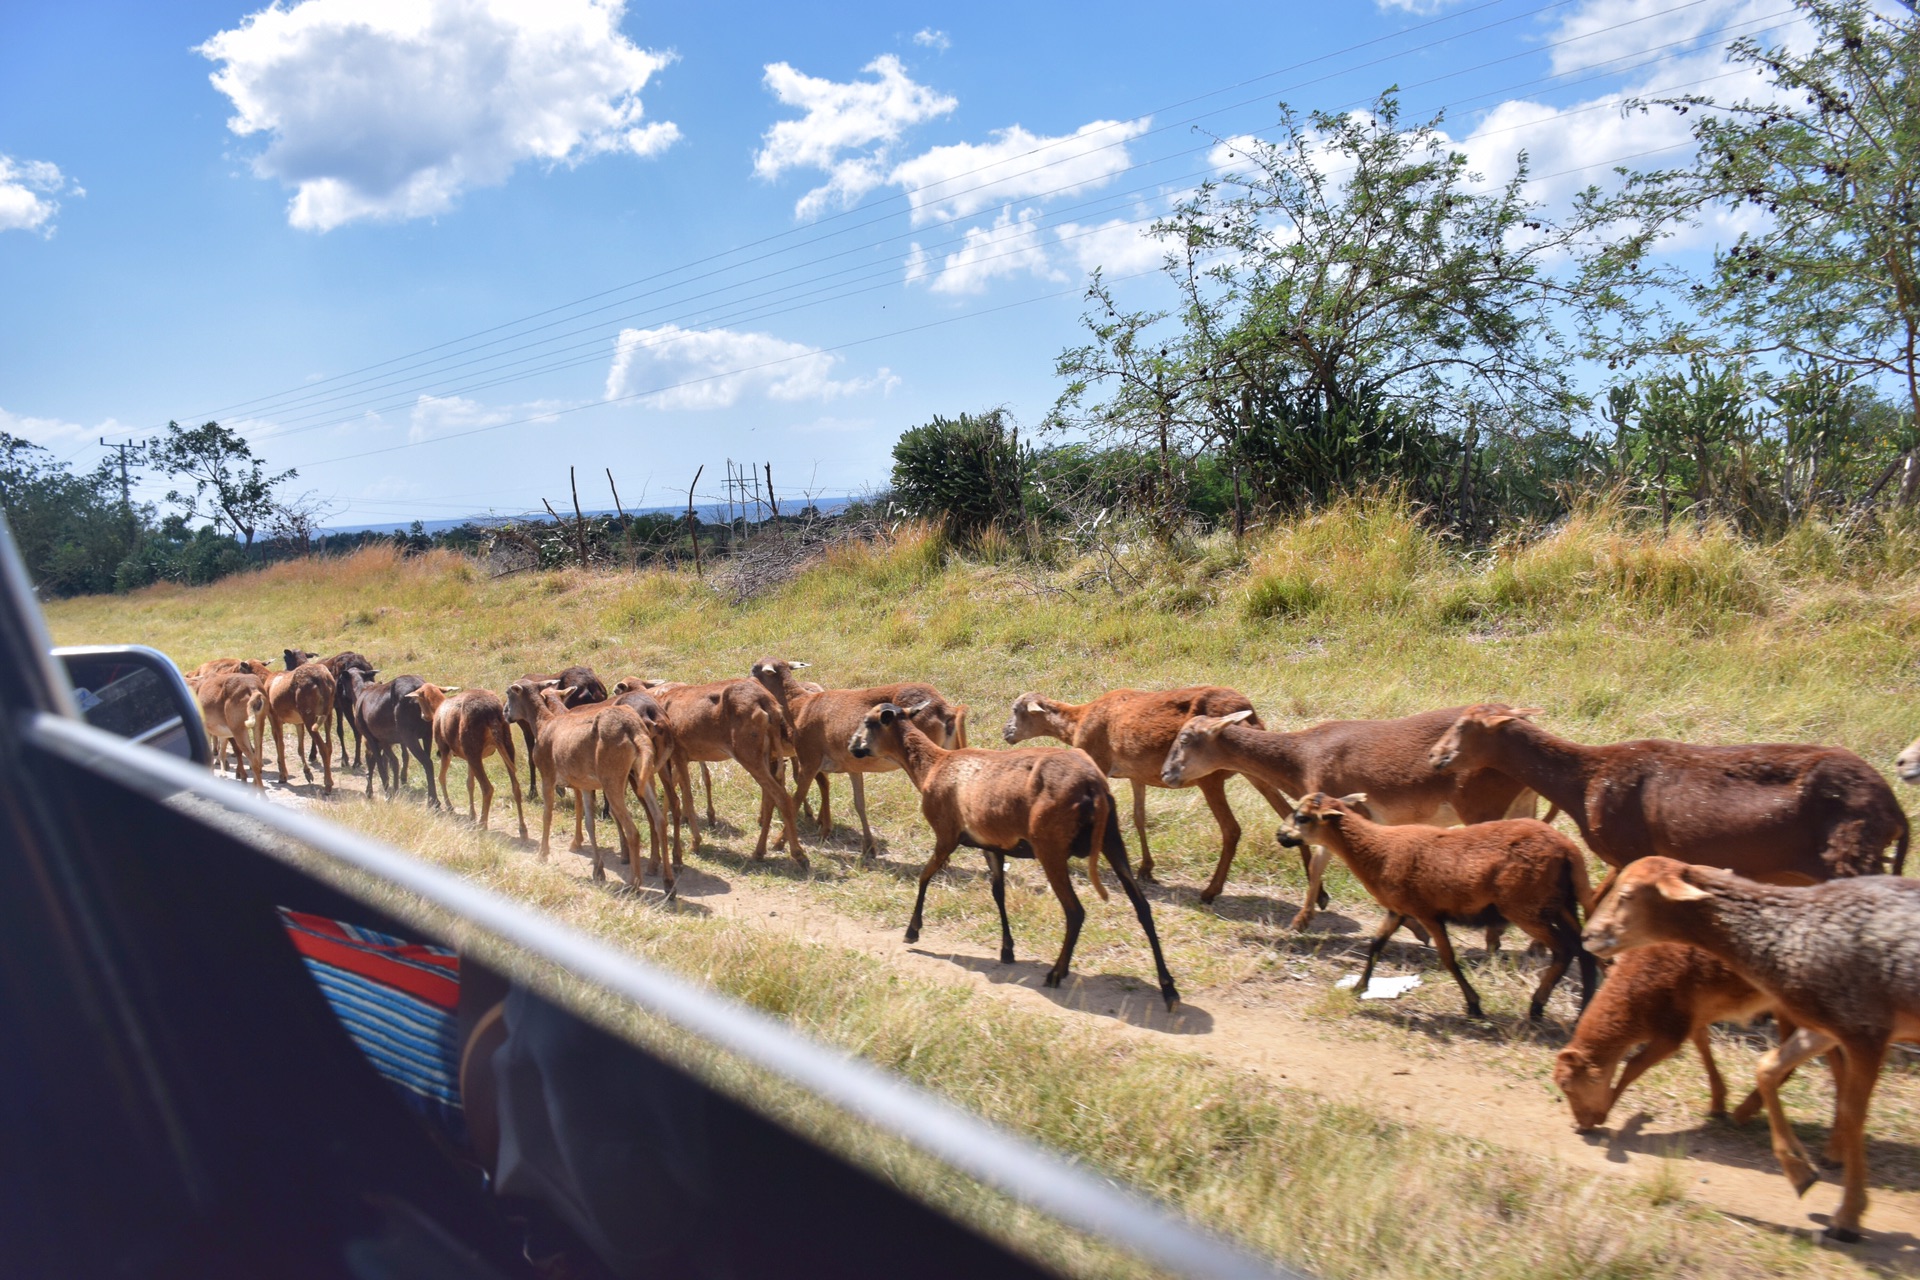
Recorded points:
(1356, 612)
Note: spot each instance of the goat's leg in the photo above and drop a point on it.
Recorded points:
(1560, 949)
(1054, 863)
(868, 845)
(326, 760)
(1140, 827)
(280, 748)
(657, 841)
(684, 777)
(479, 766)
(1649, 1055)
(1702, 1038)
(1280, 806)
(446, 762)
(513, 776)
(583, 814)
(1316, 871)
(1775, 1066)
(1444, 946)
(1213, 788)
(803, 777)
(706, 779)
(772, 793)
(546, 817)
(1783, 1028)
(1117, 859)
(997, 881)
(1859, 1071)
(942, 850)
(1386, 930)
(526, 736)
(372, 768)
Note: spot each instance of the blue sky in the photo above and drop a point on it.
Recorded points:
(805, 228)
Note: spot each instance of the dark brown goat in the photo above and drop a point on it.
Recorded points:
(376, 714)
(581, 687)
(1783, 813)
(1386, 759)
(1518, 871)
(1045, 803)
(1128, 732)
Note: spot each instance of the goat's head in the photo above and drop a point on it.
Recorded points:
(881, 733)
(430, 697)
(776, 675)
(1652, 900)
(1192, 754)
(1907, 763)
(524, 703)
(297, 658)
(1030, 719)
(1318, 817)
(255, 667)
(354, 679)
(1588, 1087)
(945, 724)
(1465, 745)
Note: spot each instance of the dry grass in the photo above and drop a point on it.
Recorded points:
(1356, 612)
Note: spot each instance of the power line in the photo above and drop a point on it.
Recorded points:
(886, 273)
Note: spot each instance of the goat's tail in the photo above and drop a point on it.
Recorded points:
(1097, 813)
(1581, 881)
(503, 743)
(1900, 845)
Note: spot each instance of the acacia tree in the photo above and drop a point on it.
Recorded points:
(1354, 284)
(1829, 157)
(231, 487)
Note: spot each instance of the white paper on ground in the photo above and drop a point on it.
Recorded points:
(1380, 988)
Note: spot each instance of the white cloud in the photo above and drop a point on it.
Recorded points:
(1414, 6)
(713, 368)
(862, 116)
(1012, 246)
(27, 191)
(387, 109)
(1117, 246)
(439, 415)
(1601, 30)
(50, 432)
(963, 179)
(928, 38)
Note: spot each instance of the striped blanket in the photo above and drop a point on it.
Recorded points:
(398, 1001)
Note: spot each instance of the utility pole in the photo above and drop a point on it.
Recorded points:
(126, 484)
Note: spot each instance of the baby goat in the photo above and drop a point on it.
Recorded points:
(1045, 803)
(1519, 870)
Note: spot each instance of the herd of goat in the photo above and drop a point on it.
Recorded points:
(1741, 879)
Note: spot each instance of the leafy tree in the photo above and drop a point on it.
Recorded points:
(231, 487)
(70, 529)
(967, 472)
(1829, 158)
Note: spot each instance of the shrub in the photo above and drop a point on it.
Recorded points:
(966, 473)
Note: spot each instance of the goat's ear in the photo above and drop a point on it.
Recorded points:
(1528, 713)
(1237, 716)
(451, 689)
(797, 665)
(889, 713)
(1675, 889)
(1356, 800)
(549, 684)
(1035, 708)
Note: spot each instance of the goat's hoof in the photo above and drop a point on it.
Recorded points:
(1801, 1178)
(600, 873)
(1145, 876)
(1536, 1014)
(1301, 921)
(1208, 895)
(1827, 1160)
(1171, 996)
(1473, 1011)
(1006, 955)
(1325, 901)
(1842, 1235)
(913, 935)
(1052, 980)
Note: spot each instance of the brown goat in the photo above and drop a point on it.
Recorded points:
(302, 694)
(1045, 803)
(581, 687)
(1128, 733)
(654, 717)
(1840, 960)
(1518, 871)
(823, 721)
(1385, 759)
(601, 748)
(471, 724)
(1779, 812)
(226, 666)
(234, 705)
(732, 720)
(1655, 999)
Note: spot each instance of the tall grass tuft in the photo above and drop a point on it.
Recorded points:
(1359, 555)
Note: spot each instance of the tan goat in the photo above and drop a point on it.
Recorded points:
(1385, 759)
(1518, 871)
(823, 722)
(302, 695)
(1128, 733)
(1840, 960)
(470, 725)
(234, 705)
(600, 748)
(730, 720)
(1045, 803)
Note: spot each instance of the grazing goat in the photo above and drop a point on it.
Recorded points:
(1654, 1000)
(1385, 759)
(581, 687)
(1128, 733)
(1841, 962)
(471, 724)
(1045, 803)
(731, 720)
(302, 694)
(1782, 813)
(823, 722)
(376, 713)
(1517, 871)
(603, 748)
(234, 705)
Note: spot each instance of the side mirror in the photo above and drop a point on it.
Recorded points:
(137, 693)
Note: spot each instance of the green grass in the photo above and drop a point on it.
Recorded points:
(1358, 611)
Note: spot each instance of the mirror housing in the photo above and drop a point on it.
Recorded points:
(137, 693)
